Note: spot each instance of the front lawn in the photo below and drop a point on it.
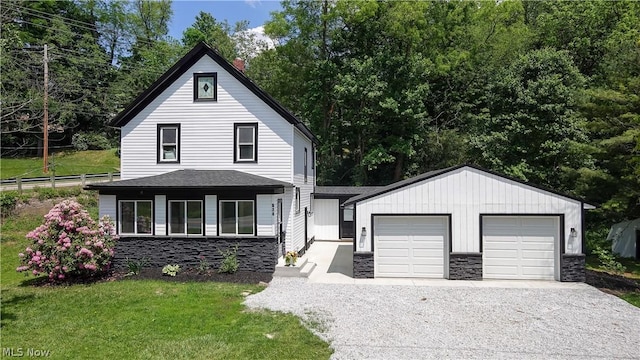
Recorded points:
(140, 319)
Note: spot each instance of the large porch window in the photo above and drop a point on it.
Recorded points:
(135, 217)
(236, 217)
(185, 217)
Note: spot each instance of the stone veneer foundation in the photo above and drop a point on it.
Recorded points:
(363, 265)
(465, 266)
(258, 254)
(573, 268)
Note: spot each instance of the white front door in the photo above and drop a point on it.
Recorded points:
(520, 247)
(410, 246)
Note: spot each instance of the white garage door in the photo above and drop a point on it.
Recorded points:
(410, 246)
(519, 247)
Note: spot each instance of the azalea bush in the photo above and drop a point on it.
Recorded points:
(69, 243)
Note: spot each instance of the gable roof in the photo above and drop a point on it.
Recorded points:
(179, 68)
(434, 173)
(194, 179)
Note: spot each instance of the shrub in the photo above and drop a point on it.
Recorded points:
(229, 263)
(171, 270)
(90, 141)
(135, 266)
(8, 201)
(69, 243)
(609, 261)
(597, 238)
(203, 265)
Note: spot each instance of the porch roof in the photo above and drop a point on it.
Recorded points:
(194, 179)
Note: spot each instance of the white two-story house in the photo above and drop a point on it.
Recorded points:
(210, 161)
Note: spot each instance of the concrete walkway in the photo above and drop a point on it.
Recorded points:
(334, 266)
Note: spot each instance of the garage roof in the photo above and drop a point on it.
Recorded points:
(434, 173)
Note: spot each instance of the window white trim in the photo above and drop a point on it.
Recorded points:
(135, 217)
(185, 219)
(253, 143)
(161, 144)
(236, 202)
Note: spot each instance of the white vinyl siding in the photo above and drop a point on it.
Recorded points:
(326, 216)
(265, 219)
(297, 153)
(211, 215)
(410, 246)
(466, 193)
(160, 205)
(107, 206)
(520, 247)
(207, 129)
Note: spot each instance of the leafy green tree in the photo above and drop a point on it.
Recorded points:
(214, 33)
(531, 128)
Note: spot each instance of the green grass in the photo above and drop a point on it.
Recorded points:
(67, 163)
(140, 319)
(632, 298)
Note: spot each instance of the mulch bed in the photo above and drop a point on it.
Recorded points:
(611, 283)
(186, 275)
(192, 275)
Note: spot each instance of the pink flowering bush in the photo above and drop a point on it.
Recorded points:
(69, 243)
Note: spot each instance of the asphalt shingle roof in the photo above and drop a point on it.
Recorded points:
(195, 179)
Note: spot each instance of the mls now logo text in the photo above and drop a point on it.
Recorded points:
(25, 352)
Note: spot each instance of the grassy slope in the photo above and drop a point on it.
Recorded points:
(632, 271)
(140, 319)
(68, 163)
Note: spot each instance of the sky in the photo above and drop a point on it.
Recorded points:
(255, 11)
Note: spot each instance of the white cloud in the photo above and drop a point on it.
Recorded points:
(252, 3)
(260, 36)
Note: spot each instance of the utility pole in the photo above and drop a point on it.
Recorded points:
(45, 165)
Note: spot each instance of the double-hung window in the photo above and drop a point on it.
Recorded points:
(136, 217)
(185, 217)
(237, 217)
(246, 142)
(297, 200)
(168, 143)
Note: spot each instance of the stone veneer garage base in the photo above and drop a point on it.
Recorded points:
(468, 266)
(465, 266)
(254, 254)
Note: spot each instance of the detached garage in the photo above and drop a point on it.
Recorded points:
(466, 222)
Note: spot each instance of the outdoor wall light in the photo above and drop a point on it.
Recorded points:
(364, 231)
(573, 233)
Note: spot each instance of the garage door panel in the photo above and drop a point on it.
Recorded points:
(409, 246)
(395, 252)
(519, 247)
(397, 269)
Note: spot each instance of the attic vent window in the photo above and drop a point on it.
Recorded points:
(205, 87)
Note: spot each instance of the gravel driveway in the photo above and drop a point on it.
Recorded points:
(417, 322)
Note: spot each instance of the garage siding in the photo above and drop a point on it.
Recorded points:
(466, 193)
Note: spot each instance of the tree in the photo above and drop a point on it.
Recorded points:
(214, 33)
(530, 128)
